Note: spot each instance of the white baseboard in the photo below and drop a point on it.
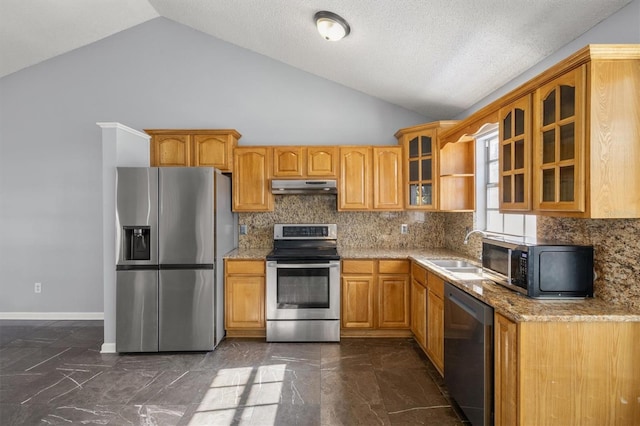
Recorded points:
(52, 315)
(108, 348)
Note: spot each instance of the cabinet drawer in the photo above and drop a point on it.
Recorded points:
(245, 267)
(419, 273)
(393, 267)
(436, 285)
(358, 267)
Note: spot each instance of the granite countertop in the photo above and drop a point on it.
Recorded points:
(509, 303)
(521, 308)
(248, 254)
(382, 253)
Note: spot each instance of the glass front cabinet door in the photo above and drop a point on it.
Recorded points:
(515, 155)
(421, 150)
(559, 144)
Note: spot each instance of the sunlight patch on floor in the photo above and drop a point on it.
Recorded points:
(238, 394)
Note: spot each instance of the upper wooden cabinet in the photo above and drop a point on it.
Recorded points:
(586, 138)
(559, 143)
(354, 191)
(322, 161)
(387, 178)
(515, 155)
(170, 150)
(302, 162)
(251, 174)
(421, 161)
(370, 178)
(585, 129)
(193, 147)
(288, 161)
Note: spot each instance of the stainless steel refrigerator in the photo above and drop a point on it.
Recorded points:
(173, 227)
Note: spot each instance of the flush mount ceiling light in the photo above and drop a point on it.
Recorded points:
(331, 26)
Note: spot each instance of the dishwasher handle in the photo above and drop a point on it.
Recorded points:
(468, 309)
(474, 307)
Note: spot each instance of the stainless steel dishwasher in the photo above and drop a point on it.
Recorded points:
(468, 354)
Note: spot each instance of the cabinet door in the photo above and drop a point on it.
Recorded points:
(506, 371)
(213, 151)
(515, 156)
(393, 301)
(419, 313)
(244, 302)
(288, 161)
(355, 179)
(559, 144)
(322, 161)
(251, 173)
(387, 178)
(421, 173)
(170, 150)
(435, 330)
(357, 301)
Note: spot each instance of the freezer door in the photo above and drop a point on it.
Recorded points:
(136, 311)
(186, 216)
(186, 310)
(136, 207)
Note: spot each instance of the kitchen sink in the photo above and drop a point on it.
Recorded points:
(453, 263)
(466, 270)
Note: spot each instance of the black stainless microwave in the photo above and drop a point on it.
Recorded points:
(546, 270)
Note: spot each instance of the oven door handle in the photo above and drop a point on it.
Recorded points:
(302, 265)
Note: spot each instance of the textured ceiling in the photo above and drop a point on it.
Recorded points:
(435, 57)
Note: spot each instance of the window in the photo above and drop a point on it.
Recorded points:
(489, 217)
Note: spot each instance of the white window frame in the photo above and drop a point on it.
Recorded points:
(510, 224)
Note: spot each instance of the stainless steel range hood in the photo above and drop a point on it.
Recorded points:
(304, 186)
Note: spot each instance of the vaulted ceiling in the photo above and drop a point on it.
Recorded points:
(435, 57)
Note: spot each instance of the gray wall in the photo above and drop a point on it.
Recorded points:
(159, 74)
(623, 27)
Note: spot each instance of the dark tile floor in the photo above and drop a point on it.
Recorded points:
(51, 372)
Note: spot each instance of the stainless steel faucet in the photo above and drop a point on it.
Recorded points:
(473, 231)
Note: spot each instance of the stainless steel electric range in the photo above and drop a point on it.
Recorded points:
(303, 284)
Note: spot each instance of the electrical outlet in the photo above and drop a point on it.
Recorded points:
(37, 288)
(404, 228)
(243, 229)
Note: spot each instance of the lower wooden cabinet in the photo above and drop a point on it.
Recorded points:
(427, 314)
(566, 373)
(358, 294)
(419, 312)
(375, 296)
(244, 298)
(435, 321)
(506, 371)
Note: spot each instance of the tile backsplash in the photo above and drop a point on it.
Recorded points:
(617, 253)
(616, 242)
(355, 229)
